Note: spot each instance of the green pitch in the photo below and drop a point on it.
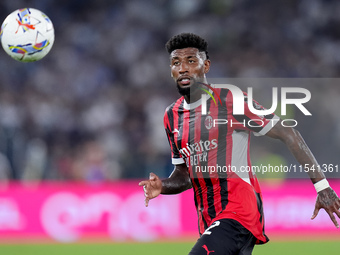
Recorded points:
(166, 248)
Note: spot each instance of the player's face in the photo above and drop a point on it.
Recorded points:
(188, 66)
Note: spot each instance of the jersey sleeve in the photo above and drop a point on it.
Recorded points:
(257, 123)
(176, 156)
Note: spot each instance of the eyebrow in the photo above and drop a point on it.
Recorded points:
(191, 56)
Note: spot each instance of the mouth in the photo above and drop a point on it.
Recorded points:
(184, 81)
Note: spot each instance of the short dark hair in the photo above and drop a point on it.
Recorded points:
(187, 40)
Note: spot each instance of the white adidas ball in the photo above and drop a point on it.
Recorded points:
(27, 35)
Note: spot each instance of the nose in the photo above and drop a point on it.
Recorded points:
(183, 68)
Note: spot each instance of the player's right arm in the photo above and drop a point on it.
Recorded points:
(177, 182)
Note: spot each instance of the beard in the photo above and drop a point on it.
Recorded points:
(183, 91)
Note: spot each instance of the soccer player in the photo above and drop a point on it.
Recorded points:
(208, 158)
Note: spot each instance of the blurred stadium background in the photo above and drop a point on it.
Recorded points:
(85, 123)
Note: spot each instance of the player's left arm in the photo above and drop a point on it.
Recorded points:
(326, 198)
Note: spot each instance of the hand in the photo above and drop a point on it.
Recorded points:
(152, 187)
(328, 200)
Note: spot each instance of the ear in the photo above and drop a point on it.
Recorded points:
(206, 65)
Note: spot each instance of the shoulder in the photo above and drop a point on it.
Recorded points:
(228, 96)
(175, 106)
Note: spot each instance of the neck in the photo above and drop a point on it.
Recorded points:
(193, 98)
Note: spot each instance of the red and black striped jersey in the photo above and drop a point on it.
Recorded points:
(215, 147)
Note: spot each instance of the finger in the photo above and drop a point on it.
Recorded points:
(146, 189)
(146, 202)
(337, 206)
(333, 219)
(146, 193)
(315, 213)
(142, 183)
(337, 209)
(337, 212)
(152, 176)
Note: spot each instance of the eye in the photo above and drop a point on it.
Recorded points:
(175, 63)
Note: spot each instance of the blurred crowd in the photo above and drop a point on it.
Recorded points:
(92, 110)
